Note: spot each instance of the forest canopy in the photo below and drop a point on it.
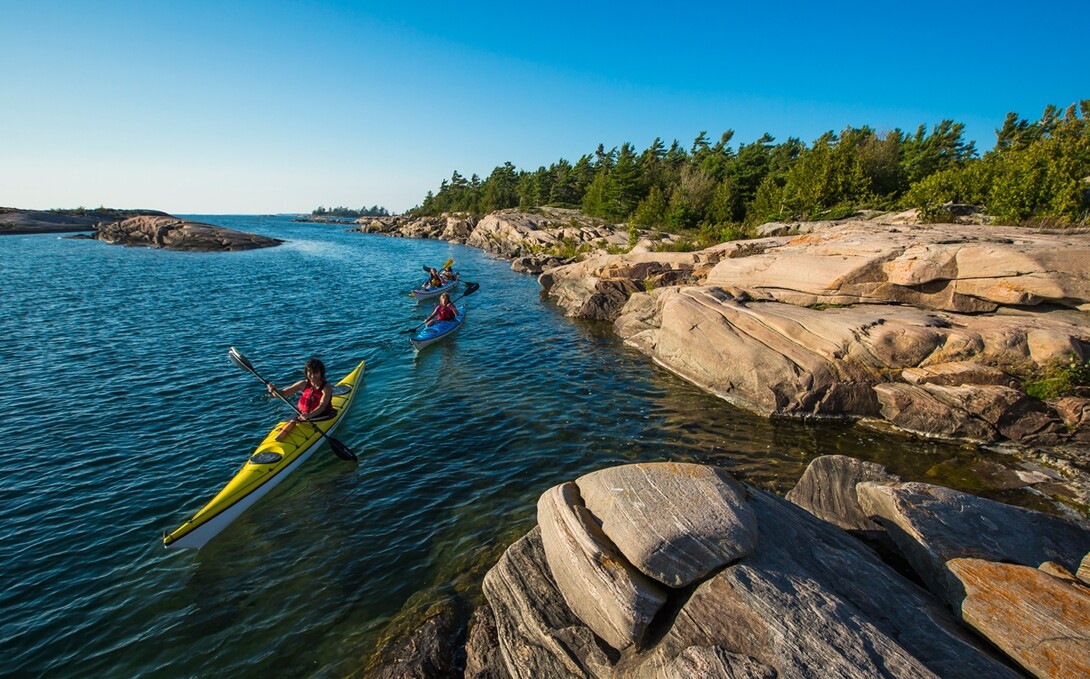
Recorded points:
(1037, 172)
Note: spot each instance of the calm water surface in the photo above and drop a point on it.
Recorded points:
(123, 416)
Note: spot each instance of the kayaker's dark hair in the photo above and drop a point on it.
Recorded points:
(315, 366)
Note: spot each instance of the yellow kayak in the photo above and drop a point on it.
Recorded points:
(269, 464)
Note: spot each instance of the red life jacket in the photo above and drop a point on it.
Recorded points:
(445, 312)
(310, 399)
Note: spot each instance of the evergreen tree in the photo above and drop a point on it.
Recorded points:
(626, 187)
(500, 190)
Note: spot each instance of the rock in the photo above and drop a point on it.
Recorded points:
(1041, 622)
(170, 233)
(1074, 412)
(932, 525)
(976, 413)
(1057, 571)
(957, 373)
(1084, 570)
(811, 601)
(429, 650)
(788, 360)
(14, 221)
(674, 522)
(827, 490)
(537, 633)
(915, 409)
(483, 659)
(599, 585)
(709, 662)
(967, 269)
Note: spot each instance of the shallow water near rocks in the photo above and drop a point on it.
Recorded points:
(126, 417)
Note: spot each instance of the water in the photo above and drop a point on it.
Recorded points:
(123, 416)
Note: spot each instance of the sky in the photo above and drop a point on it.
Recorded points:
(280, 107)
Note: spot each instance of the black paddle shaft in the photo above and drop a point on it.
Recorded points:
(339, 449)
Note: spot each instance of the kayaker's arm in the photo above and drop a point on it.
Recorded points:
(288, 390)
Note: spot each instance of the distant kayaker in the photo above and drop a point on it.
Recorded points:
(445, 311)
(315, 399)
(434, 279)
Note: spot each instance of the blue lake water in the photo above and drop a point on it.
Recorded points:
(123, 416)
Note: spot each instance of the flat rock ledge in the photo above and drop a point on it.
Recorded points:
(800, 598)
(171, 233)
(16, 221)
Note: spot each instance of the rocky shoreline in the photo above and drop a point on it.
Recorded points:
(933, 330)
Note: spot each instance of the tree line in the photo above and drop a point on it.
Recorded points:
(373, 211)
(1037, 172)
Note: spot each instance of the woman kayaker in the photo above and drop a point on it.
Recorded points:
(315, 399)
(445, 311)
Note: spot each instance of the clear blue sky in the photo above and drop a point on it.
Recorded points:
(246, 107)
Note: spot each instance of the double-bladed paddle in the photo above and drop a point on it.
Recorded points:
(470, 289)
(342, 451)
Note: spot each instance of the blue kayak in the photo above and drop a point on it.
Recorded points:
(438, 331)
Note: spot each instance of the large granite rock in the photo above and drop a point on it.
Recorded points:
(674, 522)
(932, 525)
(536, 633)
(813, 602)
(171, 233)
(781, 359)
(809, 601)
(607, 593)
(827, 490)
(1042, 622)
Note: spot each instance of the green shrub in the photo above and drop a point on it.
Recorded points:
(1060, 379)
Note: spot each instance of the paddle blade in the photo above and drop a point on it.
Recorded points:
(449, 263)
(427, 268)
(470, 289)
(241, 361)
(342, 451)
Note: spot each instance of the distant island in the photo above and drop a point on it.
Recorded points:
(373, 211)
(134, 228)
